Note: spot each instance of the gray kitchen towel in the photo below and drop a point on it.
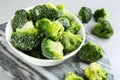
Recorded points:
(13, 67)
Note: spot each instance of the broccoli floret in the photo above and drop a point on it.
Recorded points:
(43, 24)
(20, 18)
(51, 49)
(64, 21)
(85, 14)
(74, 27)
(71, 41)
(60, 7)
(66, 14)
(44, 11)
(100, 13)
(103, 29)
(95, 72)
(52, 30)
(72, 76)
(90, 52)
(26, 39)
(50, 5)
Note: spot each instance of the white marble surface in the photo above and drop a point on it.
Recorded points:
(111, 46)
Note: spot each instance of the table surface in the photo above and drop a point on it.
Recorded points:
(111, 46)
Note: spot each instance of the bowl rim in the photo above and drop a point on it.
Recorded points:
(44, 60)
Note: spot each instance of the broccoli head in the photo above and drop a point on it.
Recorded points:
(100, 13)
(52, 30)
(85, 14)
(44, 11)
(74, 27)
(51, 49)
(73, 76)
(90, 52)
(103, 29)
(70, 41)
(20, 18)
(26, 39)
(64, 21)
(95, 72)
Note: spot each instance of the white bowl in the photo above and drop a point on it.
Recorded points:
(42, 62)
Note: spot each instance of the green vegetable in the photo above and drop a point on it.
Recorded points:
(21, 17)
(44, 11)
(100, 13)
(50, 5)
(52, 50)
(66, 14)
(64, 21)
(90, 52)
(43, 24)
(95, 72)
(71, 41)
(26, 39)
(73, 76)
(103, 29)
(74, 28)
(60, 7)
(52, 30)
(85, 14)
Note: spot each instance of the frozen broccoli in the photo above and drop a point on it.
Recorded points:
(43, 24)
(52, 30)
(21, 17)
(103, 29)
(52, 50)
(66, 14)
(70, 41)
(60, 7)
(72, 76)
(26, 39)
(44, 11)
(74, 27)
(50, 5)
(85, 14)
(55, 31)
(90, 52)
(100, 13)
(95, 72)
(64, 21)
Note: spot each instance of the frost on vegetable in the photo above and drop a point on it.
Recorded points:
(90, 52)
(103, 29)
(52, 50)
(71, 41)
(100, 13)
(85, 14)
(26, 39)
(95, 72)
(20, 19)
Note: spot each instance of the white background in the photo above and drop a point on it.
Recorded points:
(111, 46)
